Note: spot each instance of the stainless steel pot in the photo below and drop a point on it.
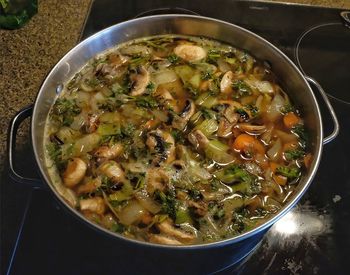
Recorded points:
(289, 75)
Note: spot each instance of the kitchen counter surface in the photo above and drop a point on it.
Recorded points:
(27, 54)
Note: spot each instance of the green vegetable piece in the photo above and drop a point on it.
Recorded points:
(109, 129)
(208, 127)
(290, 172)
(294, 154)
(118, 227)
(173, 59)
(185, 72)
(235, 174)
(183, 216)
(123, 194)
(241, 88)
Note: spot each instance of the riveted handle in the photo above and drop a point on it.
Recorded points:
(11, 145)
(335, 131)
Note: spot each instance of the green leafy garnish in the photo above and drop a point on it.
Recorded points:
(241, 88)
(294, 154)
(146, 102)
(213, 55)
(64, 110)
(169, 202)
(235, 174)
(173, 59)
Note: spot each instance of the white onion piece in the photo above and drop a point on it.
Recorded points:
(274, 152)
(132, 213)
(83, 100)
(285, 137)
(223, 65)
(79, 121)
(264, 87)
(147, 202)
(160, 115)
(166, 76)
(85, 144)
(273, 112)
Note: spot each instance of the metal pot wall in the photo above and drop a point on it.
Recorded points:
(195, 258)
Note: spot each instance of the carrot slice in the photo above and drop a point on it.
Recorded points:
(279, 179)
(245, 142)
(290, 120)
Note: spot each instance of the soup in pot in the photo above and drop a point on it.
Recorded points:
(176, 140)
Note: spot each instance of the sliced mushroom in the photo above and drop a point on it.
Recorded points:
(166, 98)
(198, 139)
(190, 53)
(74, 172)
(95, 205)
(200, 208)
(231, 115)
(168, 229)
(156, 179)
(179, 122)
(225, 128)
(140, 80)
(252, 129)
(160, 239)
(89, 186)
(112, 170)
(109, 152)
(226, 82)
(162, 143)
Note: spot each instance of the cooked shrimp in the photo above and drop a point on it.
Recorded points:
(74, 172)
(96, 205)
(112, 170)
(109, 152)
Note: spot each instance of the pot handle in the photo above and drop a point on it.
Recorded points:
(11, 145)
(335, 131)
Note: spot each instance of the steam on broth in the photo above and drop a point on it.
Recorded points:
(176, 140)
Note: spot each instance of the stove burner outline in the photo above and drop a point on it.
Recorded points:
(297, 47)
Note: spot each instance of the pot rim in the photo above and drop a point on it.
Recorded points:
(264, 226)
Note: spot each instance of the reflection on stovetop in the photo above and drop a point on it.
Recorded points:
(313, 238)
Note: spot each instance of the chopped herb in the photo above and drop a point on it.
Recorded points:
(294, 154)
(138, 60)
(213, 55)
(169, 202)
(150, 87)
(220, 213)
(287, 108)
(146, 102)
(289, 172)
(173, 59)
(64, 110)
(195, 194)
(253, 109)
(206, 75)
(241, 88)
(110, 104)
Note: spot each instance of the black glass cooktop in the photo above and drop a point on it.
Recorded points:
(38, 237)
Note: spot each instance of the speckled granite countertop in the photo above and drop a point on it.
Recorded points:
(27, 54)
